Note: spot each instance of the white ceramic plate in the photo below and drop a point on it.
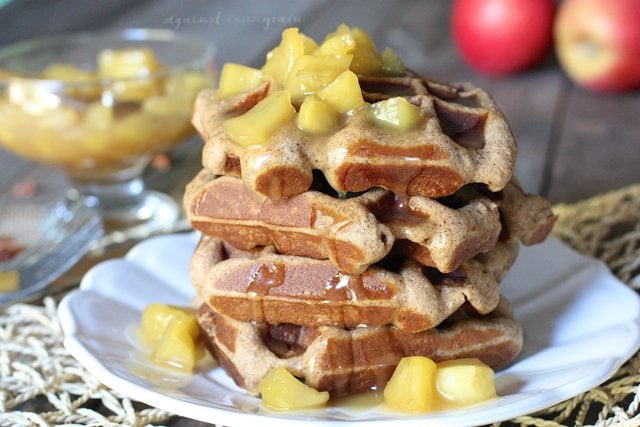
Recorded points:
(580, 324)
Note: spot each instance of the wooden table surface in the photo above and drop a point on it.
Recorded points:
(572, 143)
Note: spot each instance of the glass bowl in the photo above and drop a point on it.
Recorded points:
(99, 106)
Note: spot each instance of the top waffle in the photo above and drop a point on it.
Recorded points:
(460, 137)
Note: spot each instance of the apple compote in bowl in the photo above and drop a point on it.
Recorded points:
(98, 106)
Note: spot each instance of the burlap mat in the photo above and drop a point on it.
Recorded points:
(42, 385)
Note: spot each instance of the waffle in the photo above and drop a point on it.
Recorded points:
(527, 216)
(344, 361)
(353, 233)
(463, 139)
(277, 289)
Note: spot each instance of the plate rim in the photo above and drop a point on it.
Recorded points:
(201, 412)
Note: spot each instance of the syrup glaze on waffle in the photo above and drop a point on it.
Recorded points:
(276, 289)
(463, 138)
(343, 361)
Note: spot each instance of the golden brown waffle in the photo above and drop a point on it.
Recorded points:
(527, 216)
(349, 361)
(462, 139)
(353, 233)
(276, 289)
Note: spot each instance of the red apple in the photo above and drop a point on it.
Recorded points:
(503, 36)
(598, 43)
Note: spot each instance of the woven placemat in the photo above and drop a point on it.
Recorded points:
(42, 385)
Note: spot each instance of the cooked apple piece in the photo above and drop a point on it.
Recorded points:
(176, 348)
(309, 44)
(343, 93)
(338, 44)
(156, 318)
(397, 113)
(9, 280)
(98, 116)
(412, 387)
(125, 63)
(282, 391)
(59, 118)
(67, 73)
(316, 116)
(187, 85)
(365, 57)
(392, 65)
(256, 125)
(236, 78)
(167, 106)
(310, 73)
(41, 102)
(280, 59)
(135, 64)
(465, 381)
(70, 73)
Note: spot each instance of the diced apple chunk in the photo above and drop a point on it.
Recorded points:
(412, 387)
(236, 78)
(338, 44)
(392, 65)
(465, 381)
(98, 116)
(309, 44)
(167, 106)
(67, 72)
(9, 280)
(256, 125)
(343, 93)
(397, 113)
(365, 57)
(280, 60)
(187, 84)
(173, 334)
(282, 391)
(316, 116)
(156, 317)
(132, 70)
(176, 348)
(59, 118)
(310, 73)
(125, 63)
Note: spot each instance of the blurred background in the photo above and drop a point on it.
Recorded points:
(573, 142)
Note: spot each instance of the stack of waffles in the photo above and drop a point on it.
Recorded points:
(337, 253)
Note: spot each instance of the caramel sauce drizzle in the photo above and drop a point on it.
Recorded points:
(395, 209)
(341, 287)
(263, 278)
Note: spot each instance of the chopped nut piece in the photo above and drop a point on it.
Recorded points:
(25, 188)
(9, 248)
(161, 162)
